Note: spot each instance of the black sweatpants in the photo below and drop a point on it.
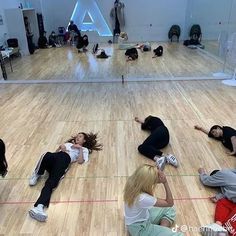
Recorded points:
(55, 164)
(158, 139)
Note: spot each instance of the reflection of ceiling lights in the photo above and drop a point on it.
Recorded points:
(88, 17)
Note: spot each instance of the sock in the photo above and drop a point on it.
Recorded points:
(40, 206)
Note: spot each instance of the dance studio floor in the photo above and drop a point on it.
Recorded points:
(66, 64)
(36, 118)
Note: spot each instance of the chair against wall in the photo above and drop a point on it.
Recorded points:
(13, 43)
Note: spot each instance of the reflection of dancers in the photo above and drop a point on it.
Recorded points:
(82, 43)
(74, 32)
(102, 54)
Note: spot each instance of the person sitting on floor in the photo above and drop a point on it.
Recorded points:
(52, 40)
(145, 213)
(82, 43)
(43, 42)
(74, 32)
(158, 52)
(225, 200)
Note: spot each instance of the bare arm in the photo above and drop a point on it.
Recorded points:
(168, 202)
(197, 127)
(233, 140)
(140, 121)
(61, 148)
(80, 158)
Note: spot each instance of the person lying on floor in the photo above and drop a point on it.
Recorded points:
(225, 200)
(76, 149)
(225, 134)
(102, 54)
(158, 139)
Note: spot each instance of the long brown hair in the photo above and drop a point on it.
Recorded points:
(90, 141)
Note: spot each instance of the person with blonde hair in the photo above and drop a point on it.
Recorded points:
(146, 214)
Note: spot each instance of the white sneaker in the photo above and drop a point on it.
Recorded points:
(213, 230)
(38, 214)
(171, 159)
(33, 179)
(161, 162)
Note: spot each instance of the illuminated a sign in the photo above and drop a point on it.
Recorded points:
(88, 17)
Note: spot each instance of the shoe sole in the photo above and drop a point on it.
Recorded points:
(162, 167)
(37, 217)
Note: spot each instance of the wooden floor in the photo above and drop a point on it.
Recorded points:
(67, 64)
(88, 202)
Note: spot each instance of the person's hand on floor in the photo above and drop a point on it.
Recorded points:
(201, 171)
(138, 120)
(213, 199)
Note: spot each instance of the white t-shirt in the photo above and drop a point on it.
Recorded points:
(139, 211)
(74, 152)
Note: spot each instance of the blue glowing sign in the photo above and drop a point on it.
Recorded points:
(85, 9)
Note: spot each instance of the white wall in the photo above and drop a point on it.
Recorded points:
(4, 4)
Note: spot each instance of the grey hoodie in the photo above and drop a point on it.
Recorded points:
(226, 180)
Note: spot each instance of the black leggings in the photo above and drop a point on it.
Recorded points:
(56, 165)
(158, 139)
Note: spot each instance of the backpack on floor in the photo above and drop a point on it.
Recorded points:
(158, 51)
(174, 31)
(196, 33)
